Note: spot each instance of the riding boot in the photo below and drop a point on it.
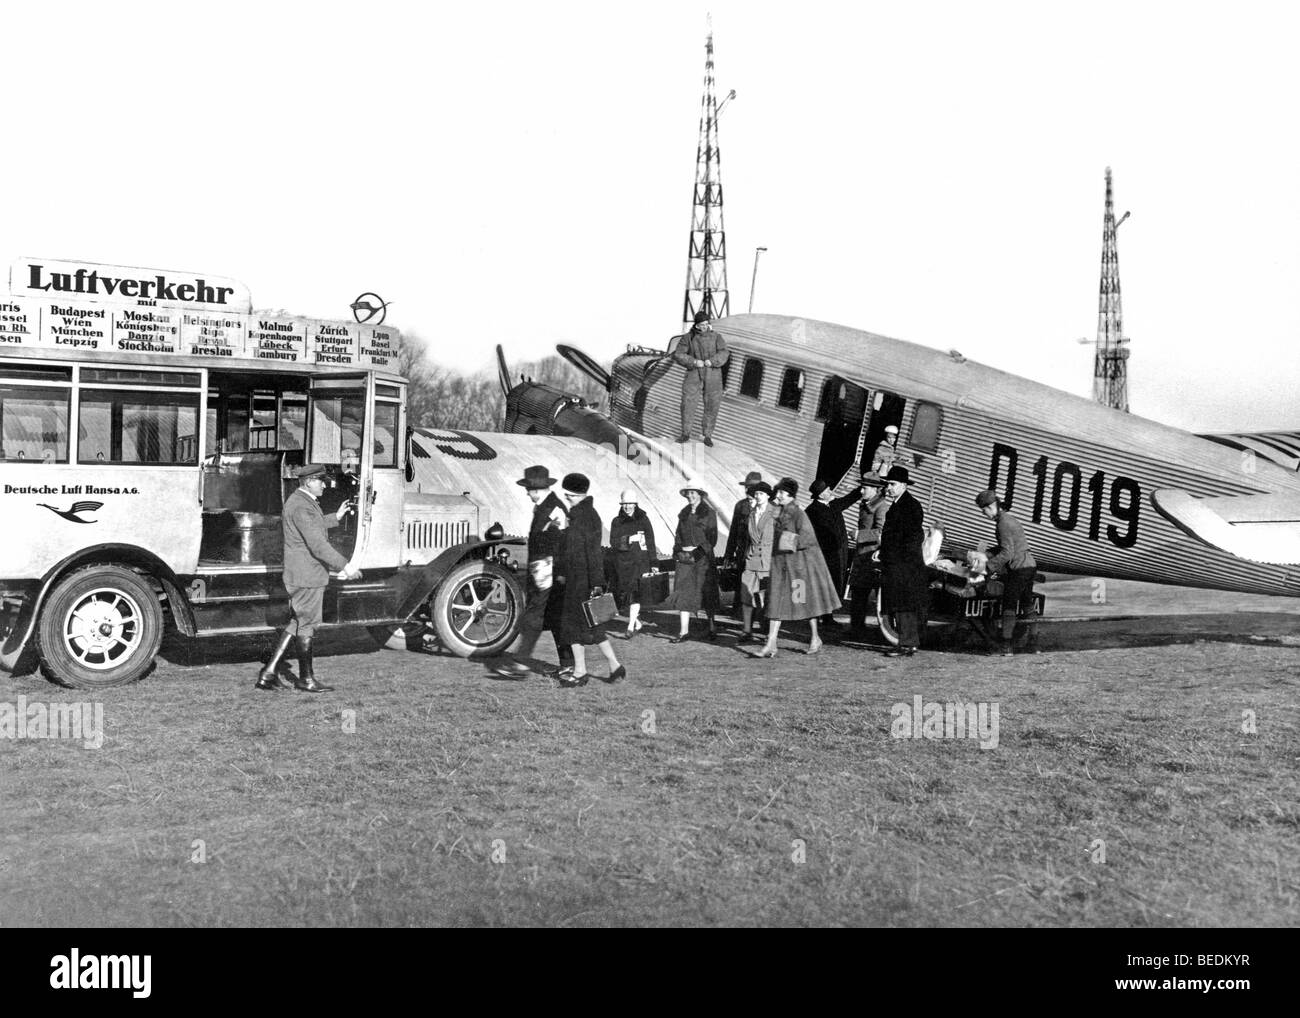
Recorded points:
(306, 682)
(270, 677)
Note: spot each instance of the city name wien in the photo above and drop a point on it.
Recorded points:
(101, 972)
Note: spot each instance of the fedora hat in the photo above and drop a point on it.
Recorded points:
(536, 477)
(751, 478)
(898, 474)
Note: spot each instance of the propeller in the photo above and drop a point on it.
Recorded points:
(584, 364)
(503, 371)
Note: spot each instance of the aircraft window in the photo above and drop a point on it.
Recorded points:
(138, 427)
(791, 394)
(925, 427)
(828, 394)
(33, 424)
(751, 380)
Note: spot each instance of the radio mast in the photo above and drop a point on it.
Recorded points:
(706, 265)
(1110, 369)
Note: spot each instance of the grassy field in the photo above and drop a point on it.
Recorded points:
(424, 791)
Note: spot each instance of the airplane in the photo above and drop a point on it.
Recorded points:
(1101, 493)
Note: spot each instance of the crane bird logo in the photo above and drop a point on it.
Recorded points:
(365, 307)
(77, 507)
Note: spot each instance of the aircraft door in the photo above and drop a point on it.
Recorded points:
(844, 408)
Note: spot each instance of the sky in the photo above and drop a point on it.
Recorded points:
(522, 173)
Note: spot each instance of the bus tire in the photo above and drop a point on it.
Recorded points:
(477, 609)
(102, 626)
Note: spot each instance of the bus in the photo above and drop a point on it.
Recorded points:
(151, 425)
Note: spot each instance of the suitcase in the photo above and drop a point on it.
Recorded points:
(652, 588)
(599, 610)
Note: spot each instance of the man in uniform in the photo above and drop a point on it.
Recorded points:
(903, 563)
(826, 515)
(308, 558)
(545, 545)
(864, 574)
(1013, 559)
(702, 352)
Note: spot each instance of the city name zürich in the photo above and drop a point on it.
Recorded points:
(158, 288)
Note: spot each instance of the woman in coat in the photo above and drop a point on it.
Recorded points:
(757, 563)
(584, 572)
(696, 582)
(632, 542)
(800, 586)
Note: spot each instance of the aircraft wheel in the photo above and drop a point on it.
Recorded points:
(102, 626)
(477, 609)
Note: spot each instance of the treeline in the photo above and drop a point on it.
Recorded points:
(442, 397)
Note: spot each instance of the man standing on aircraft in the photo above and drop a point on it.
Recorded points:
(1013, 559)
(864, 574)
(702, 352)
(308, 558)
(903, 563)
(826, 515)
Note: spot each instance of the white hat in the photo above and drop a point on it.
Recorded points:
(628, 496)
(693, 485)
(891, 429)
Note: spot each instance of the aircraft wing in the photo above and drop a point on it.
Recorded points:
(1257, 528)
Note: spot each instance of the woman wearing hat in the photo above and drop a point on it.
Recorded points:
(760, 525)
(632, 541)
(800, 586)
(583, 572)
(696, 582)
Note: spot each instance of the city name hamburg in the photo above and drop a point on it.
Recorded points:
(158, 288)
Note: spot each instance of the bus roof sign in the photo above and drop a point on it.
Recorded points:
(50, 278)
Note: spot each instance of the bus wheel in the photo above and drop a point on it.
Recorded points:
(883, 618)
(102, 626)
(408, 636)
(477, 609)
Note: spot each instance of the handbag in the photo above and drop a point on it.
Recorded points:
(599, 610)
(787, 542)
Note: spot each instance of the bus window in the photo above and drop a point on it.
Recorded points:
(33, 424)
(386, 415)
(138, 427)
(337, 421)
(293, 420)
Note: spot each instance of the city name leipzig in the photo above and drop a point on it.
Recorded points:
(157, 288)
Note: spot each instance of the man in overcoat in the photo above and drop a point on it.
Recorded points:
(308, 558)
(826, 515)
(905, 581)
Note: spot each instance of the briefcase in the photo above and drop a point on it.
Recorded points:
(652, 588)
(599, 610)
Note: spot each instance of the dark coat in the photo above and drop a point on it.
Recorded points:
(905, 580)
(738, 535)
(543, 537)
(696, 582)
(828, 524)
(583, 570)
(308, 554)
(805, 566)
(631, 559)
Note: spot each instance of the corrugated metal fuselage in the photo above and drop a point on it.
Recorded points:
(1077, 474)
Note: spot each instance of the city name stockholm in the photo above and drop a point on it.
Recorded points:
(157, 288)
